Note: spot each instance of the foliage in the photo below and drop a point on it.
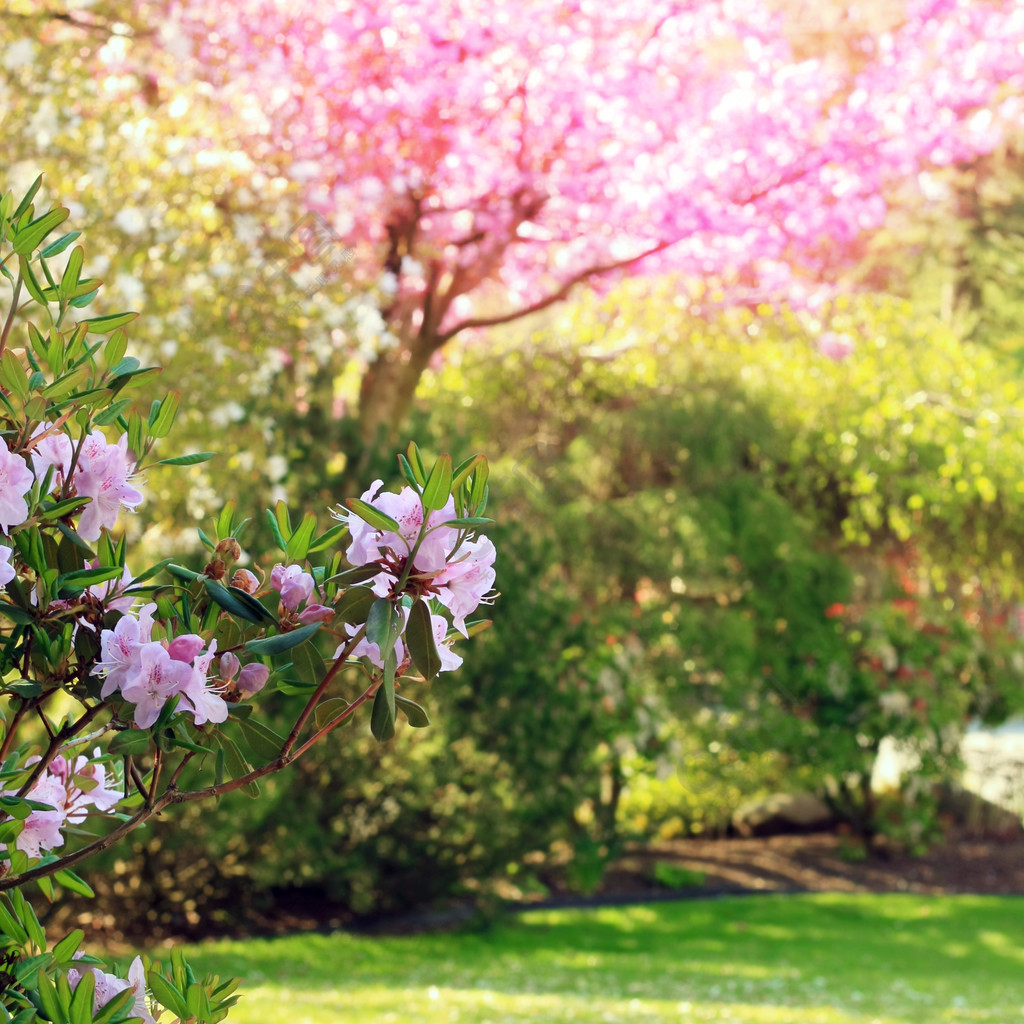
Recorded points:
(747, 960)
(762, 506)
(113, 713)
(518, 764)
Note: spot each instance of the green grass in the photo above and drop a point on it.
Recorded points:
(758, 960)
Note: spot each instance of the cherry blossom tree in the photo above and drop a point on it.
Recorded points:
(484, 157)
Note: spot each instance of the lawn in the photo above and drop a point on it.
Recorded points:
(824, 959)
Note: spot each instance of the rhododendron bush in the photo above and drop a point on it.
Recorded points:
(116, 678)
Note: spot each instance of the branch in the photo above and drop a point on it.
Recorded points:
(549, 300)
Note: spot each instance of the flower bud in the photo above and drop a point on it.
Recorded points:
(253, 678)
(215, 569)
(316, 613)
(229, 664)
(228, 549)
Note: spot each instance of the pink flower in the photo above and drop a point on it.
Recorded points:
(449, 659)
(206, 701)
(294, 585)
(370, 545)
(42, 828)
(465, 582)
(102, 474)
(16, 481)
(158, 678)
(7, 572)
(54, 450)
(119, 649)
(836, 346)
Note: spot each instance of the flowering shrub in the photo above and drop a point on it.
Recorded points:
(114, 683)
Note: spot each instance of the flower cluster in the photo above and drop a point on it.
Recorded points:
(101, 473)
(150, 672)
(68, 788)
(440, 561)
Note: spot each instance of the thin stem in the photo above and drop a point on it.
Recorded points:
(10, 317)
(339, 664)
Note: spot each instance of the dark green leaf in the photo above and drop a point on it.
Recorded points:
(382, 719)
(419, 635)
(282, 642)
(328, 710)
(416, 715)
(131, 742)
(56, 248)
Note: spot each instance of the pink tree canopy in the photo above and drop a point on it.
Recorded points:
(538, 144)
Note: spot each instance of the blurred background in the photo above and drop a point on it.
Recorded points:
(729, 294)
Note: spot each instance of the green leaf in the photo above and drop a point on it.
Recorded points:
(12, 374)
(409, 475)
(225, 519)
(284, 520)
(27, 238)
(130, 742)
(115, 1007)
(72, 272)
(469, 521)
(478, 492)
(162, 417)
(383, 625)
(374, 517)
(382, 719)
(237, 765)
(181, 573)
(298, 543)
(417, 716)
(439, 485)
(107, 324)
(328, 710)
(416, 463)
(16, 614)
(55, 510)
(67, 878)
(167, 995)
(282, 642)
(52, 1006)
(261, 740)
(68, 946)
(419, 635)
(78, 581)
(362, 573)
(461, 472)
(186, 460)
(354, 605)
(237, 602)
(326, 539)
(27, 201)
(276, 530)
(115, 348)
(56, 248)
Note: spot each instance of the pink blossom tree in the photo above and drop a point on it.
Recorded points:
(484, 157)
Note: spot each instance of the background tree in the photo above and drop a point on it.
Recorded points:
(536, 146)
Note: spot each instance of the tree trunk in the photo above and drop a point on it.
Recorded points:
(388, 390)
